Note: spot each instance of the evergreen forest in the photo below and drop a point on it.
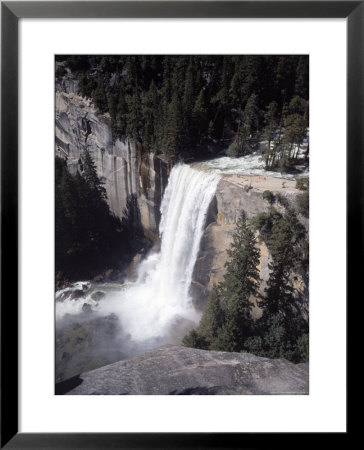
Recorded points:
(186, 107)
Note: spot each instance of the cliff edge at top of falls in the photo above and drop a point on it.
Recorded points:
(172, 370)
(237, 193)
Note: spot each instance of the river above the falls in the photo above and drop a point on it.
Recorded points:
(252, 164)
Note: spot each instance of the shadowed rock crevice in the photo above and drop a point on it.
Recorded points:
(198, 391)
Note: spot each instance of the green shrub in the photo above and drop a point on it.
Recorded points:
(282, 200)
(60, 71)
(303, 203)
(260, 222)
(302, 348)
(195, 340)
(254, 344)
(269, 196)
(264, 221)
(302, 184)
(232, 151)
(285, 165)
(303, 258)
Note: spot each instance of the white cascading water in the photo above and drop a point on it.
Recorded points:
(161, 292)
(149, 307)
(252, 164)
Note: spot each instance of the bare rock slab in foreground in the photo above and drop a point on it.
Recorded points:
(173, 370)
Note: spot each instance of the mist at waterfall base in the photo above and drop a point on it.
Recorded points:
(156, 308)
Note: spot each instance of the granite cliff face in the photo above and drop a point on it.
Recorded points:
(129, 178)
(234, 194)
(171, 370)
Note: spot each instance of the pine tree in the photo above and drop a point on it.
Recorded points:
(241, 269)
(286, 235)
(285, 78)
(252, 113)
(294, 135)
(241, 281)
(134, 116)
(213, 317)
(235, 89)
(99, 94)
(149, 108)
(271, 123)
(90, 175)
(174, 130)
(191, 128)
(111, 107)
(199, 115)
(242, 140)
(221, 100)
(189, 94)
(226, 322)
(252, 71)
(302, 77)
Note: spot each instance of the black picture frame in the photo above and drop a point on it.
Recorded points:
(11, 12)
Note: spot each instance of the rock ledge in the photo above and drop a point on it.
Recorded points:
(173, 370)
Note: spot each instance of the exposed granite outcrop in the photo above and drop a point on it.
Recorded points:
(234, 194)
(172, 370)
(130, 179)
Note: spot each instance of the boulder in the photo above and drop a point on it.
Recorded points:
(173, 370)
(86, 308)
(98, 295)
(77, 293)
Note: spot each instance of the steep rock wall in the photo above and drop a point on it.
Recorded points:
(234, 194)
(130, 178)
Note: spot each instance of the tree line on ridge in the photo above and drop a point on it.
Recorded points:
(180, 106)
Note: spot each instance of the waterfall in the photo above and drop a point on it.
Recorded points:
(149, 307)
(157, 307)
